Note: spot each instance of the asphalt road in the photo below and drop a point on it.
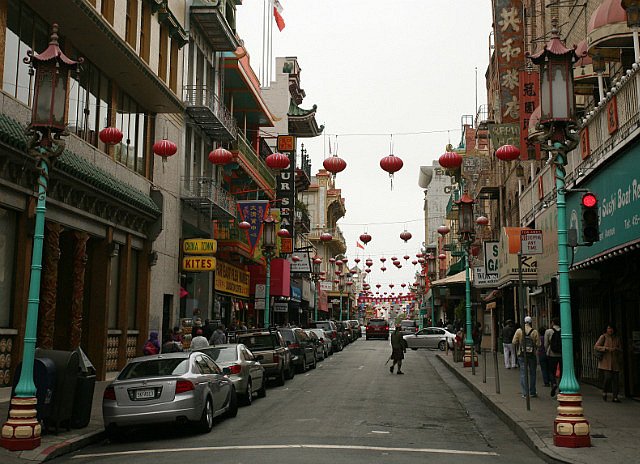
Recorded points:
(348, 410)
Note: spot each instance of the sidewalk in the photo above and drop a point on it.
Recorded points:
(615, 428)
(65, 441)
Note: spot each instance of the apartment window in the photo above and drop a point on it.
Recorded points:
(145, 31)
(107, 8)
(163, 51)
(131, 22)
(131, 119)
(25, 31)
(173, 75)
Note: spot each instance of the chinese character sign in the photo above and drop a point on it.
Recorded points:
(529, 85)
(509, 45)
(253, 212)
(286, 184)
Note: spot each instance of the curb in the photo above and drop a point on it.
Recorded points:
(69, 446)
(524, 432)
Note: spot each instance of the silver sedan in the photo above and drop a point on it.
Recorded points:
(242, 367)
(430, 337)
(325, 338)
(183, 387)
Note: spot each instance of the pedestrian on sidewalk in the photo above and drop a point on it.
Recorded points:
(543, 359)
(169, 345)
(476, 335)
(199, 341)
(553, 346)
(218, 337)
(527, 343)
(508, 331)
(398, 348)
(151, 346)
(609, 345)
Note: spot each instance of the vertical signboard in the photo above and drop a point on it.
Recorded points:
(529, 91)
(509, 46)
(286, 187)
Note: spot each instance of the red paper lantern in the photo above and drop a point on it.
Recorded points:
(354, 271)
(450, 160)
(391, 164)
(367, 270)
(344, 260)
(507, 153)
(277, 161)
(406, 236)
(406, 257)
(378, 285)
(349, 283)
(482, 221)
(338, 273)
(365, 238)
(403, 285)
(111, 135)
(339, 262)
(336, 281)
(382, 260)
(318, 260)
(332, 260)
(399, 266)
(334, 164)
(295, 259)
(443, 230)
(220, 156)
(357, 260)
(442, 256)
(244, 225)
(383, 268)
(394, 258)
(323, 278)
(326, 237)
(165, 148)
(421, 260)
(369, 262)
(283, 233)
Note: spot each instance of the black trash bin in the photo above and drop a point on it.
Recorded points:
(67, 365)
(44, 378)
(85, 386)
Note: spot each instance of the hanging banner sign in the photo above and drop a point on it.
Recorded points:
(199, 246)
(529, 90)
(231, 279)
(198, 263)
(253, 212)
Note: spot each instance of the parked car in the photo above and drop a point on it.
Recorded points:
(332, 330)
(276, 356)
(377, 328)
(183, 387)
(409, 327)
(355, 326)
(301, 347)
(343, 332)
(430, 337)
(317, 344)
(325, 338)
(242, 367)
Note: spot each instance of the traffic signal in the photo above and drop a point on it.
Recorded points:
(590, 228)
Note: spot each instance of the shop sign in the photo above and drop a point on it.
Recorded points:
(529, 90)
(260, 290)
(286, 185)
(231, 279)
(509, 247)
(548, 260)
(326, 286)
(199, 246)
(491, 250)
(303, 264)
(617, 188)
(504, 134)
(481, 279)
(296, 294)
(280, 307)
(198, 263)
(531, 242)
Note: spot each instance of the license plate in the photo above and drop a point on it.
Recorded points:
(145, 394)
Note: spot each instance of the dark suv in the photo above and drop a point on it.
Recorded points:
(303, 351)
(355, 325)
(332, 330)
(377, 328)
(344, 332)
(276, 357)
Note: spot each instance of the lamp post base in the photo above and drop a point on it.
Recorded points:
(571, 429)
(469, 353)
(22, 429)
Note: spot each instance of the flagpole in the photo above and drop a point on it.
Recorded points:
(264, 41)
(271, 21)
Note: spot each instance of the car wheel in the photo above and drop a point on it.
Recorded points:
(291, 372)
(315, 363)
(262, 392)
(303, 368)
(414, 349)
(206, 420)
(247, 397)
(233, 405)
(280, 378)
(442, 345)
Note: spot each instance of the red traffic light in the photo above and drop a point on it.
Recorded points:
(589, 200)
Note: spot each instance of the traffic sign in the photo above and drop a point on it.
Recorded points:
(531, 242)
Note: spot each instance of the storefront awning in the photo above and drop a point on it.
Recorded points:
(459, 278)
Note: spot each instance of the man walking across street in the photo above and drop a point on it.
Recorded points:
(527, 343)
(508, 332)
(553, 342)
(398, 348)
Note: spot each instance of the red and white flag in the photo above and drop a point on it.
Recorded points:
(359, 245)
(277, 10)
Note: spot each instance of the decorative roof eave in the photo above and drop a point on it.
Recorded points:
(303, 122)
(176, 31)
(226, 40)
(554, 47)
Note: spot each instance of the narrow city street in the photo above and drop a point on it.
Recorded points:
(348, 410)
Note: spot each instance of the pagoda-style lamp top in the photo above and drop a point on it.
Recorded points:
(465, 215)
(269, 237)
(557, 100)
(52, 70)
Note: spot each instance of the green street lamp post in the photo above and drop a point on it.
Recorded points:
(560, 135)
(49, 115)
(431, 274)
(315, 277)
(269, 244)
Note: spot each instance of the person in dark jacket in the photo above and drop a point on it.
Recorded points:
(152, 346)
(169, 345)
(398, 348)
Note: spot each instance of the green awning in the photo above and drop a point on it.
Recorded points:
(456, 267)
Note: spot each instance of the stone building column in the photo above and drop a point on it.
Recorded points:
(49, 285)
(77, 282)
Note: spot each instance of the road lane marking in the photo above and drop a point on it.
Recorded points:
(379, 431)
(307, 446)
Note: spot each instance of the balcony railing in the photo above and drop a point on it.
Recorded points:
(249, 154)
(209, 112)
(230, 232)
(302, 219)
(315, 232)
(204, 194)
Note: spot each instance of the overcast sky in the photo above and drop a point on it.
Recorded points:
(380, 67)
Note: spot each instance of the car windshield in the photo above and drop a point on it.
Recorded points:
(258, 342)
(408, 324)
(377, 323)
(223, 354)
(322, 325)
(155, 368)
